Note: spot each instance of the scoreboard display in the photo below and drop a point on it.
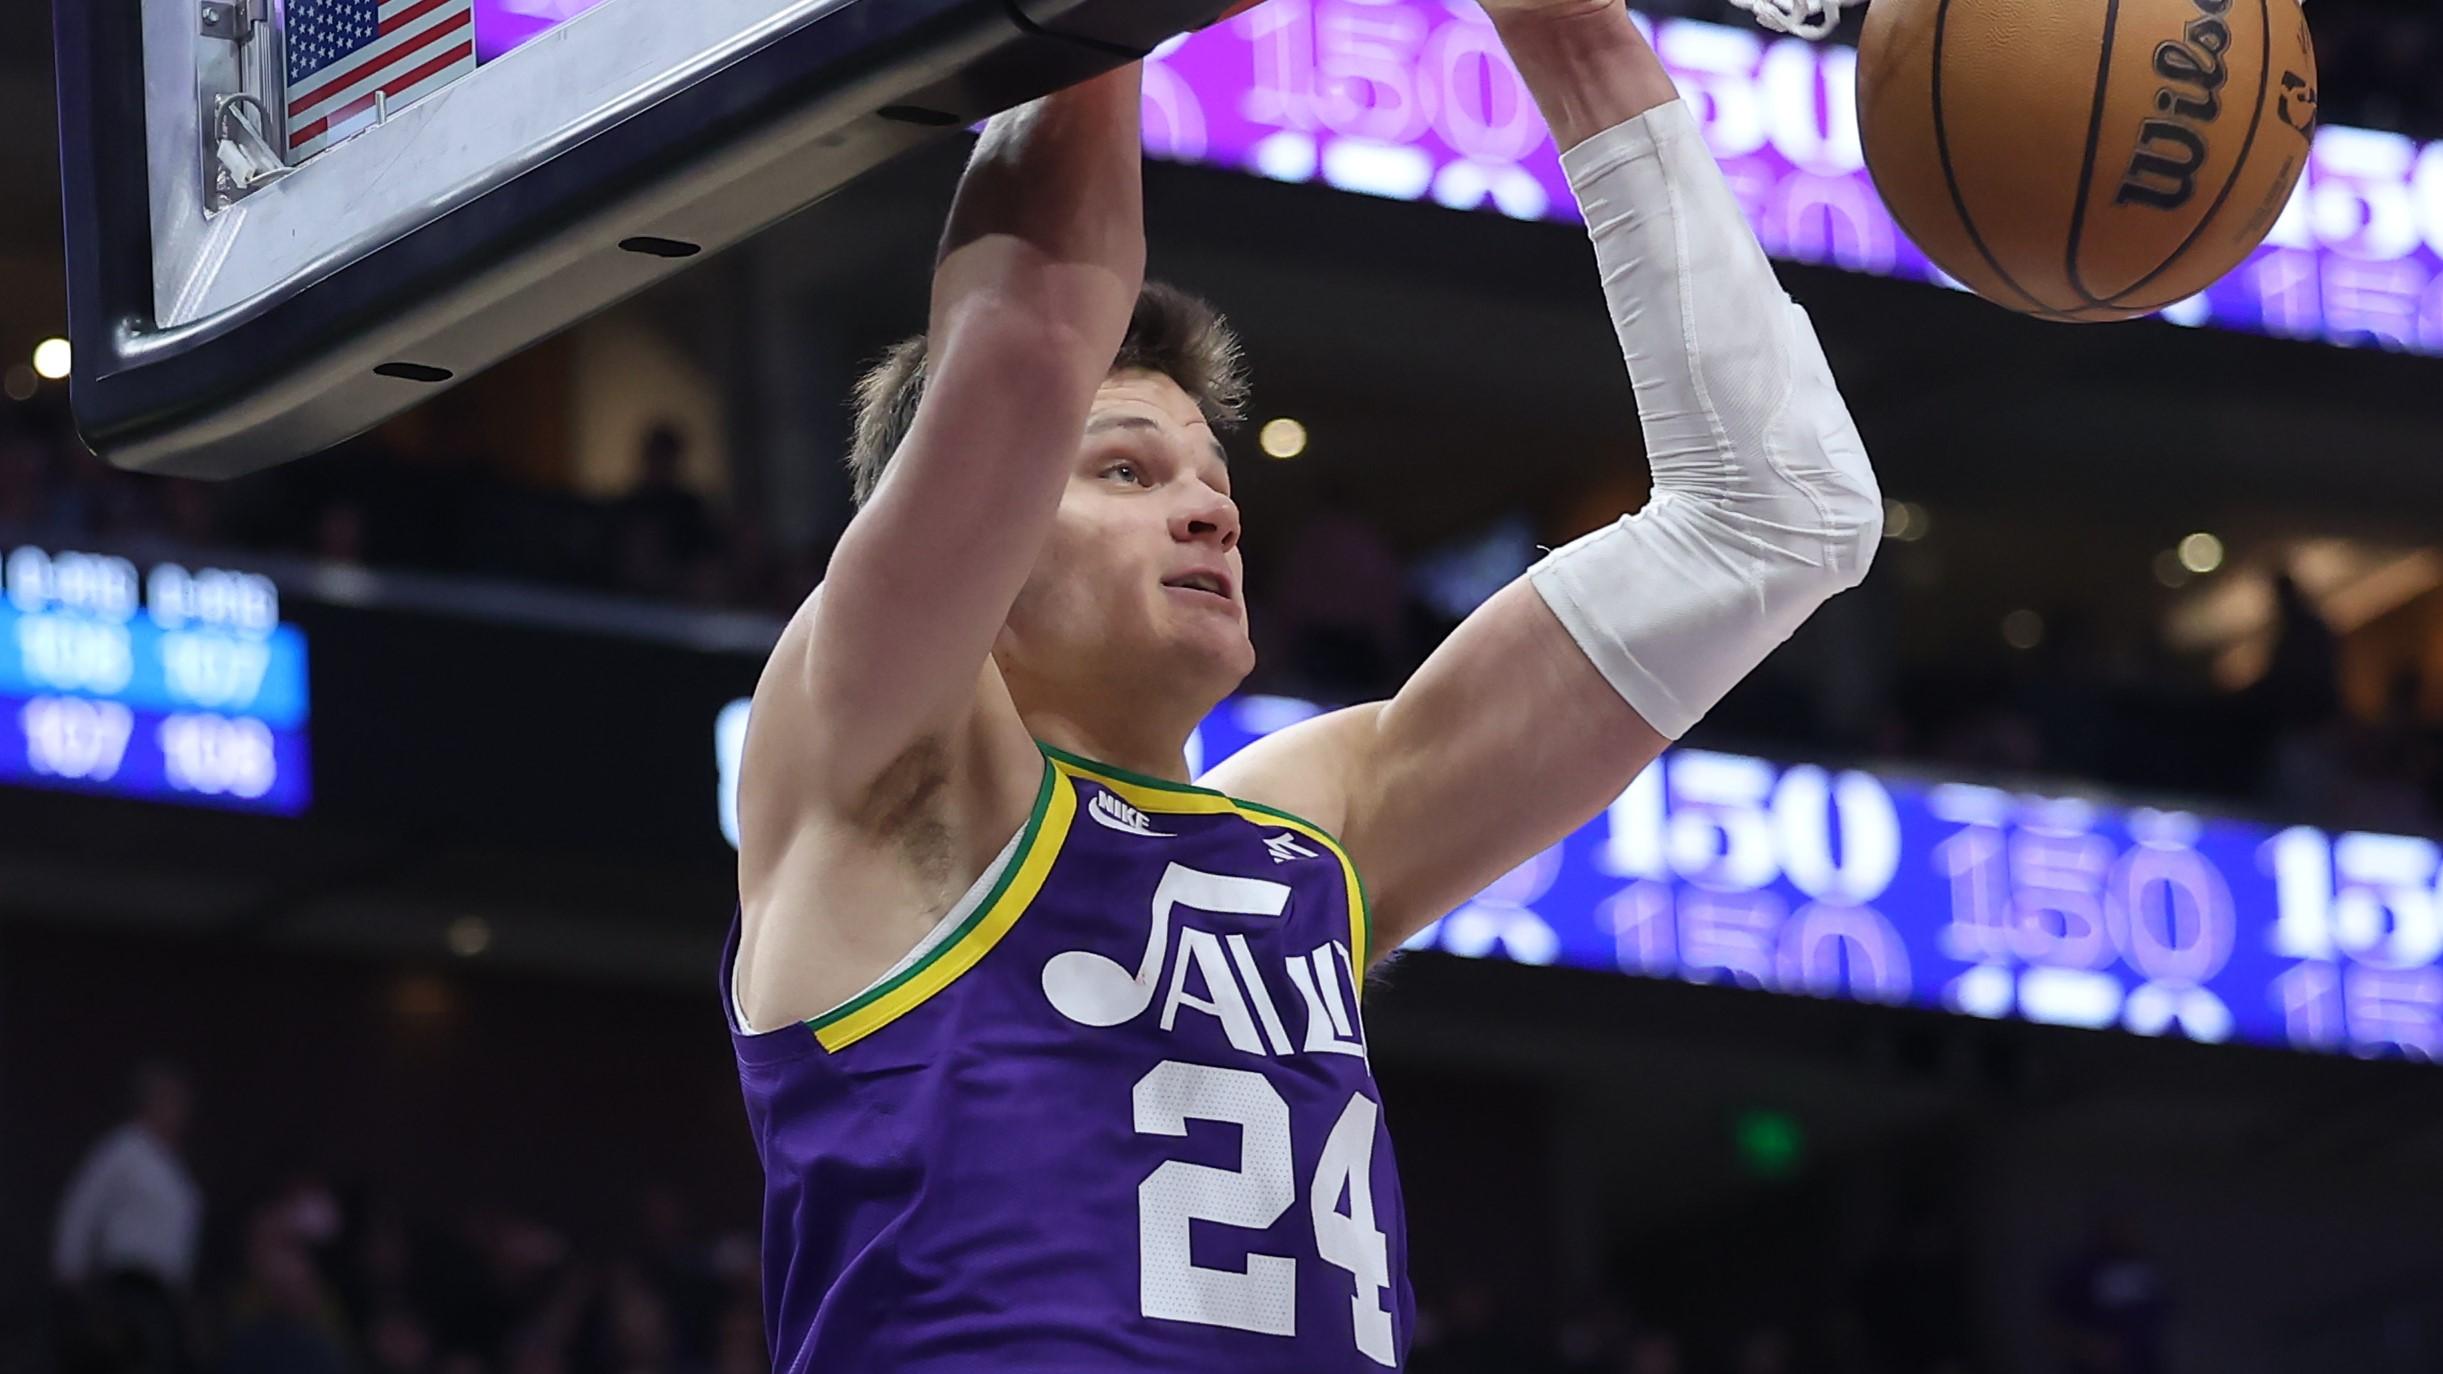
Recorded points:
(1971, 898)
(164, 683)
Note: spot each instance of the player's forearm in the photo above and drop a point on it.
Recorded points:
(1587, 66)
(1764, 505)
(1049, 221)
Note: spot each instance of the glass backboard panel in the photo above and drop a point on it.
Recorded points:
(290, 219)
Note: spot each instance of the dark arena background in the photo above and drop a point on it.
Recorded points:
(2035, 968)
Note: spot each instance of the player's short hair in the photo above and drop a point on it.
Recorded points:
(1172, 332)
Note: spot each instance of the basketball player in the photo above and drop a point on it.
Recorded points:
(1053, 1059)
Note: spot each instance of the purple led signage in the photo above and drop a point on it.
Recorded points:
(1415, 100)
(504, 24)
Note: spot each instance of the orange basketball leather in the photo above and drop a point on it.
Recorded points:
(2086, 159)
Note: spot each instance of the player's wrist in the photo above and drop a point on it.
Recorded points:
(1507, 13)
(1586, 64)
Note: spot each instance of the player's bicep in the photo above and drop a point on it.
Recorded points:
(1503, 743)
(890, 651)
(1303, 769)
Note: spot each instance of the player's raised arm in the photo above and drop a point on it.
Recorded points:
(1039, 271)
(1554, 694)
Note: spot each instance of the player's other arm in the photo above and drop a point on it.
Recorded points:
(1039, 271)
(1536, 713)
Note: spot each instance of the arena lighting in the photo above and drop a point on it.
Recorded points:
(2023, 629)
(1283, 438)
(1905, 521)
(420, 997)
(2168, 570)
(469, 936)
(2351, 583)
(2201, 553)
(51, 359)
(1770, 1143)
(2383, 589)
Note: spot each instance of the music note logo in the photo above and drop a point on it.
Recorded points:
(1094, 990)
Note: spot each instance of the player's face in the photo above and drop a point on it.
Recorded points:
(1141, 581)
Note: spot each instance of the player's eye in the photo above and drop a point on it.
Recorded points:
(1126, 471)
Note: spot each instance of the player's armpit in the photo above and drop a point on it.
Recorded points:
(1042, 262)
(890, 650)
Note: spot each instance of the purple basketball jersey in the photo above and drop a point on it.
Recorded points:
(1115, 1113)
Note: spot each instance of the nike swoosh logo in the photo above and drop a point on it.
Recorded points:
(1106, 821)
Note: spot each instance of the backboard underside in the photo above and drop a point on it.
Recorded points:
(233, 308)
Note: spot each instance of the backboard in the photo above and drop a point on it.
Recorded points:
(287, 220)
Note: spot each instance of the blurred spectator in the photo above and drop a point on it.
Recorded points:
(2399, 764)
(2360, 775)
(1766, 1351)
(2301, 687)
(284, 1320)
(665, 531)
(1994, 738)
(1653, 1352)
(1593, 1338)
(397, 1342)
(1341, 603)
(2111, 1302)
(339, 533)
(740, 1347)
(632, 1329)
(2377, 60)
(25, 493)
(1476, 1336)
(123, 1251)
(1912, 1300)
(680, 1269)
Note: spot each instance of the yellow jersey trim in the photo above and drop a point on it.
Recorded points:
(1361, 914)
(1021, 880)
(1182, 799)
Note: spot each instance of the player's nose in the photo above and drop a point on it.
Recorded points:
(1206, 516)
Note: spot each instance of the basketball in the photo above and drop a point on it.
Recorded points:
(2086, 160)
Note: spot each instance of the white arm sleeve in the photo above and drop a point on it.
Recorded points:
(1764, 506)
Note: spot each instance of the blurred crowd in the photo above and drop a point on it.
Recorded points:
(151, 1274)
(324, 1279)
(2377, 61)
(367, 503)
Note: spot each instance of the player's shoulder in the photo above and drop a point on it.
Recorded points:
(1306, 769)
(833, 896)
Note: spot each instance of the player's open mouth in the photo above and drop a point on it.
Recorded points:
(1210, 583)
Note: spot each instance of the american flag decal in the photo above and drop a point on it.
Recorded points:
(340, 52)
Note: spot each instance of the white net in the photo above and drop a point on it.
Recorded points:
(1806, 18)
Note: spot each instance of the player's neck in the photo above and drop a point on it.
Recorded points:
(1156, 749)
